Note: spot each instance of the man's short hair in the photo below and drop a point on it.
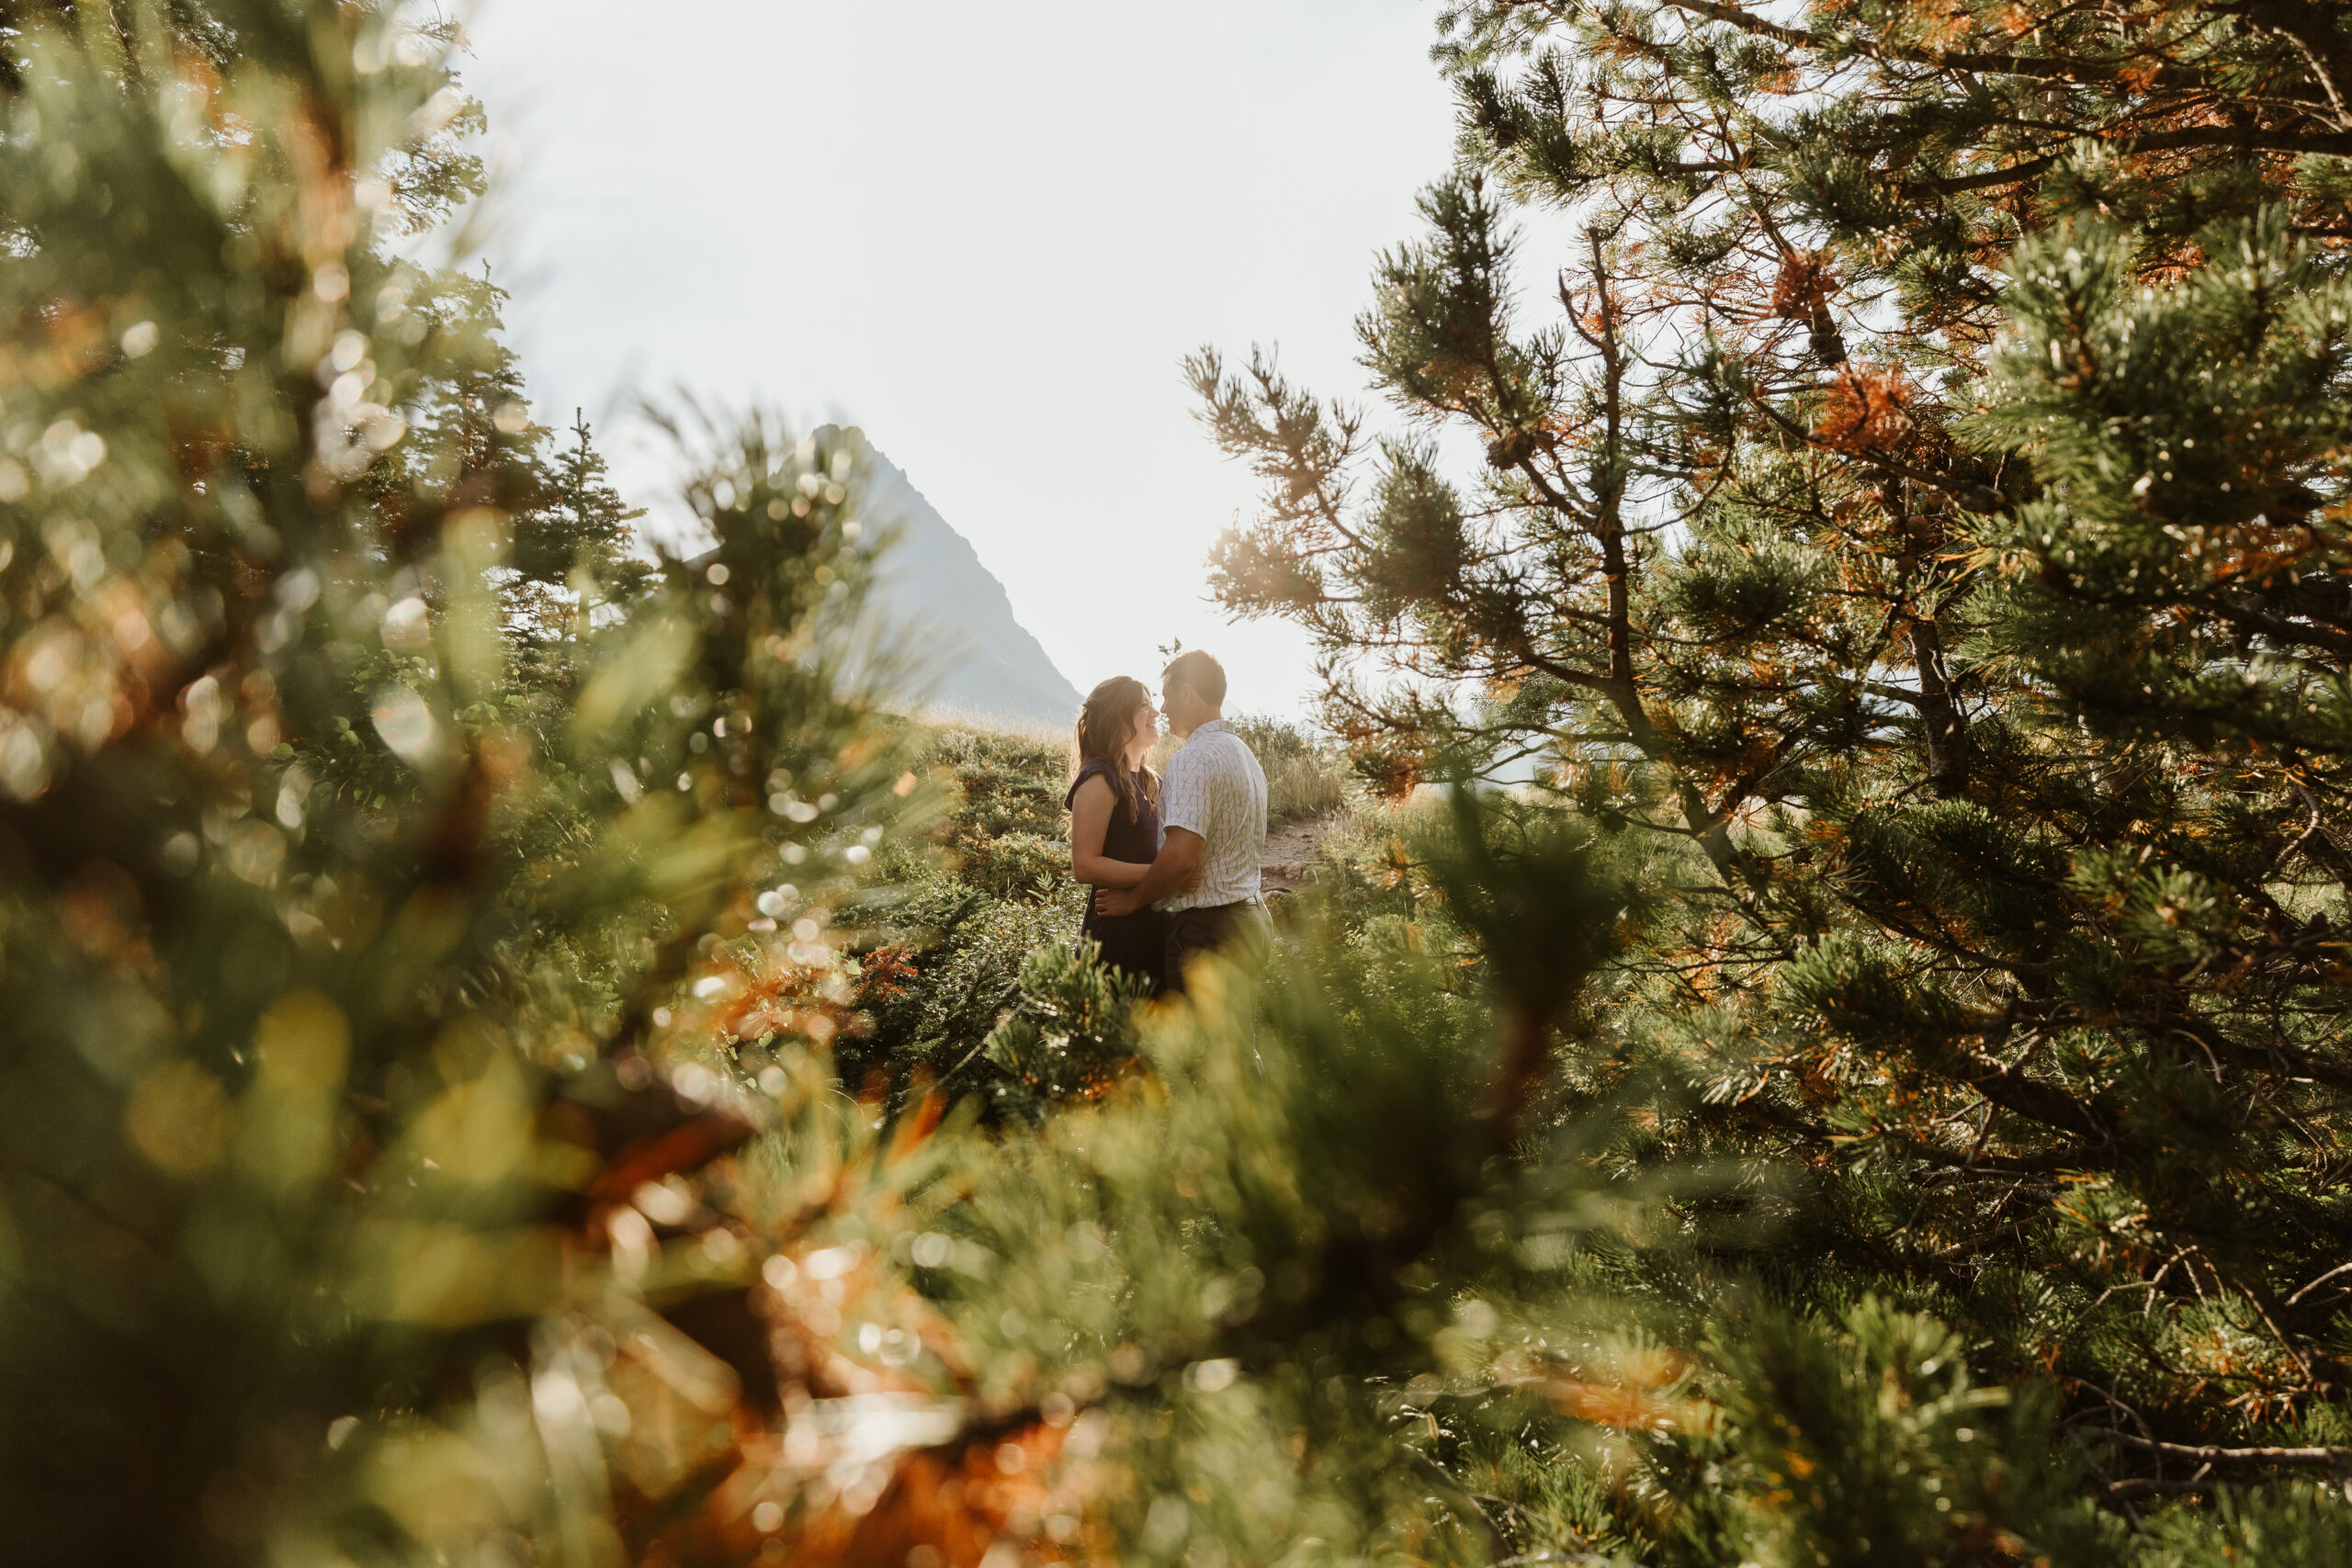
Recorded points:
(1197, 670)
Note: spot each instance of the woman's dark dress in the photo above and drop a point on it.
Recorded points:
(1135, 943)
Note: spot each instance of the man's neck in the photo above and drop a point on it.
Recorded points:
(1214, 715)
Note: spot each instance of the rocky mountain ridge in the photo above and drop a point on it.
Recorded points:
(980, 661)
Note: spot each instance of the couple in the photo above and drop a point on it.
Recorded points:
(1173, 862)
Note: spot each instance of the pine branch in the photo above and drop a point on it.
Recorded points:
(2306, 1458)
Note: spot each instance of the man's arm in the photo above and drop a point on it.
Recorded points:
(1174, 868)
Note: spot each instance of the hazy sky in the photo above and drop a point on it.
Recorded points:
(986, 234)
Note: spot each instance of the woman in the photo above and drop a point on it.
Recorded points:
(1114, 820)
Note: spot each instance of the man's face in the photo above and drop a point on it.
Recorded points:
(1180, 705)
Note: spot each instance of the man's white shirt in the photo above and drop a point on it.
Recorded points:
(1215, 788)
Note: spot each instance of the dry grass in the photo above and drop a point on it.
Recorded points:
(1305, 776)
(944, 715)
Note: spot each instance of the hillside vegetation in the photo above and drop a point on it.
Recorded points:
(960, 917)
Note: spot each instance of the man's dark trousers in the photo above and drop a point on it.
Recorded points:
(1213, 928)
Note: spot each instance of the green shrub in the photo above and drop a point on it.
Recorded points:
(1005, 782)
(964, 911)
(1072, 1033)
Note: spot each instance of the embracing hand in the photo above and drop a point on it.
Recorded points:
(1113, 902)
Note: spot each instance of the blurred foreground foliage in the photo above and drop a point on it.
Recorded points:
(486, 1010)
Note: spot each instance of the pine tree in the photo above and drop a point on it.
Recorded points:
(1918, 518)
(474, 442)
(587, 526)
(575, 557)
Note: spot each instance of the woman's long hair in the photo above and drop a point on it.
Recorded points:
(1104, 724)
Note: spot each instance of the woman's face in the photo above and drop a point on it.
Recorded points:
(1147, 729)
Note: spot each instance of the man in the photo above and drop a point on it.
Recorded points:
(1212, 811)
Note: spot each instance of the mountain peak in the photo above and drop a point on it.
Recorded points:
(932, 584)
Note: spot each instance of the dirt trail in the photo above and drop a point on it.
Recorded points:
(1290, 850)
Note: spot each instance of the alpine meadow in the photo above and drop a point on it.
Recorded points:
(1810, 1034)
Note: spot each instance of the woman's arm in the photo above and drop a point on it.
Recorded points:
(1090, 820)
